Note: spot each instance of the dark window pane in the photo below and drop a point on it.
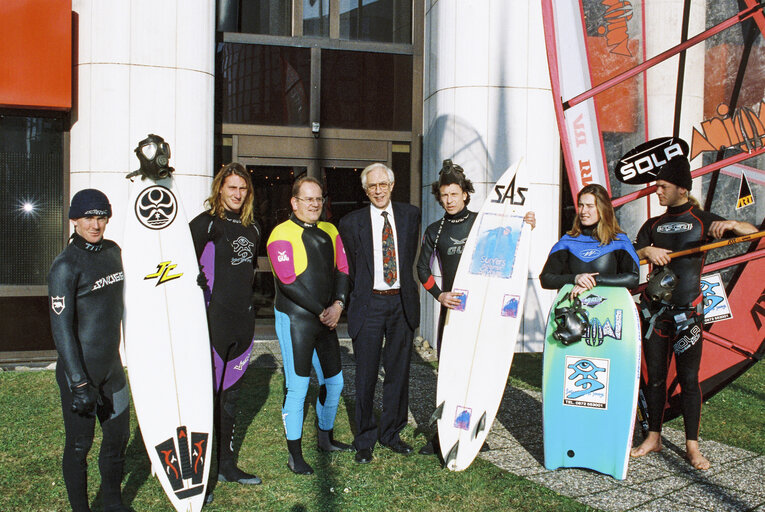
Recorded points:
(31, 198)
(369, 91)
(316, 18)
(271, 17)
(387, 21)
(262, 84)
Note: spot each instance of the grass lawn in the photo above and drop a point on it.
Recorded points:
(31, 443)
(32, 436)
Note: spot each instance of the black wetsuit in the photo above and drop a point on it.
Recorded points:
(85, 286)
(311, 273)
(226, 250)
(676, 326)
(615, 262)
(444, 239)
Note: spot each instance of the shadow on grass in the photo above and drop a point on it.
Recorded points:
(137, 465)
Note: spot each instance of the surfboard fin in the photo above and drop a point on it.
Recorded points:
(452, 455)
(480, 426)
(437, 413)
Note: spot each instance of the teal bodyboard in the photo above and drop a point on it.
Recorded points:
(590, 388)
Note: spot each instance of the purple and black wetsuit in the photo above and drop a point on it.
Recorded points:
(226, 250)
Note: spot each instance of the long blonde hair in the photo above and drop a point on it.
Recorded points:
(214, 203)
(608, 227)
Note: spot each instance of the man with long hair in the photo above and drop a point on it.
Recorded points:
(675, 325)
(226, 238)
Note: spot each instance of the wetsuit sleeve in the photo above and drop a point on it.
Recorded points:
(342, 279)
(556, 273)
(423, 264)
(201, 232)
(62, 291)
(628, 268)
(644, 236)
(282, 258)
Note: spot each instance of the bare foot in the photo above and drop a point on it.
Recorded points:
(652, 443)
(694, 456)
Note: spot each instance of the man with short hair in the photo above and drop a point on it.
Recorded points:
(85, 286)
(675, 325)
(381, 245)
(311, 277)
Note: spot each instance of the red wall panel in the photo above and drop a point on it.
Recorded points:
(36, 54)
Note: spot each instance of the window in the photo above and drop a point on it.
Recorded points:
(31, 197)
(269, 17)
(385, 21)
(258, 84)
(316, 18)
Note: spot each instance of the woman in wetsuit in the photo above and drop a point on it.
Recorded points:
(595, 251)
(226, 238)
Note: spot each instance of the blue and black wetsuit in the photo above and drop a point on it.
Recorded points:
(444, 239)
(677, 325)
(311, 273)
(85, 287)
(226, 250)
(616, 262)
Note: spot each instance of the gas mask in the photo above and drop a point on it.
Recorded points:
(154, 154)
(571, 323)
(661, 282)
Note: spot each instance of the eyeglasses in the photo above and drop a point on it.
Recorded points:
(382, 186)
(311, 200)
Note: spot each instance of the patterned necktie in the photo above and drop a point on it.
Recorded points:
(389, 252)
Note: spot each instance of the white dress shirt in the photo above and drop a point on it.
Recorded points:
(377, 227)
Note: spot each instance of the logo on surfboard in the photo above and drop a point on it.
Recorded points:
(163, 274)
(505, 192)
(586, 382)
(156, 207)
(462, 418)
(187, 462)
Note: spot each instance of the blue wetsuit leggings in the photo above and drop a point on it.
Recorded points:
(306, 342)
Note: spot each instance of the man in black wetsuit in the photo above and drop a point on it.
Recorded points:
(311, 276)
(85, 291)
(675, 325)
(445, 239)
(226, 238)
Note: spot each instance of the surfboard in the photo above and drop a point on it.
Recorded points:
(479, 336)
(167, 343)
(590, 387)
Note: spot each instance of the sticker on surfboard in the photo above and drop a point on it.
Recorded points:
(156, 207)
(510, 305)
(462, 418)
(184, 463)
(586, 382)
(494, 254)
(462, 298)
(716, 306)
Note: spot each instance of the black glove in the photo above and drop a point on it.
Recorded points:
(84, 399)
(202, 280)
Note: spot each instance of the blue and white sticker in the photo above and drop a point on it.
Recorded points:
(462, 298)
(716, 306)
(462, 418)
(510, 305)
(586, 382)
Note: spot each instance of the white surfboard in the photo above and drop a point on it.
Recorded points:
(479, 337)
(167, 343)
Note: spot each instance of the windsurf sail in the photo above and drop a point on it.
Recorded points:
(626, 72)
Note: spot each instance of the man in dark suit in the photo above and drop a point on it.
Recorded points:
(381, 244)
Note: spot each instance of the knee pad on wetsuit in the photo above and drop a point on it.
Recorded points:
(229, 400)
(328, 400)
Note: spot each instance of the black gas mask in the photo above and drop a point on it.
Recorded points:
(661, 282)
(154, 154)
(571, 322)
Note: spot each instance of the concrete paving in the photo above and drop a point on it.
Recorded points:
(658, 482)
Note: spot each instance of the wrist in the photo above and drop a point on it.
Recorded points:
(340, 303)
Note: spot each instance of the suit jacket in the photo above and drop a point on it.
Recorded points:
(356, 233)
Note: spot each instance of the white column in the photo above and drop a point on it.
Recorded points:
(142, 66)
(487, 104)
